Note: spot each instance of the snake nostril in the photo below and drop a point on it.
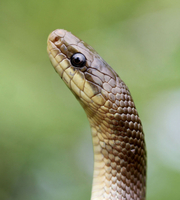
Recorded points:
(56, 38)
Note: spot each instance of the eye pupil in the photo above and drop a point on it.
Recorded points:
(78, 60)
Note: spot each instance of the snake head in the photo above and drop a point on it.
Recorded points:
(94, 83)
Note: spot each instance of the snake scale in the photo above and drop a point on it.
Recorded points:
(118, 138)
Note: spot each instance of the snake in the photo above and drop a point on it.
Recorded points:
(117, 133)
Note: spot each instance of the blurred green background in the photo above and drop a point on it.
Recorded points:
(45, 140)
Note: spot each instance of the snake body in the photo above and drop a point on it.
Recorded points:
(118, 138)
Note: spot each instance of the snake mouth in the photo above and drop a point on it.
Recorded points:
(58, 60)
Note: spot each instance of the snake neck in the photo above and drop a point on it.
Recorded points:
(118, 163)
(104, 183)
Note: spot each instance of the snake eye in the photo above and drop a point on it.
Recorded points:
(78, 60)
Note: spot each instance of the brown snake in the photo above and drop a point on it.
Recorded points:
(118, 138)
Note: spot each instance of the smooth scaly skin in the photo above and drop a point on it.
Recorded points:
(118, 139)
